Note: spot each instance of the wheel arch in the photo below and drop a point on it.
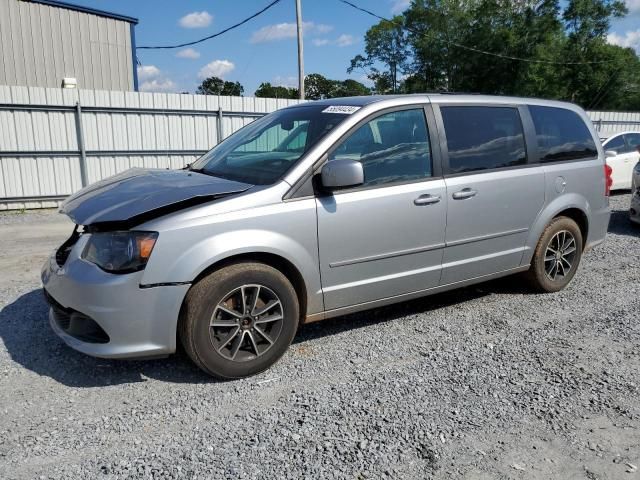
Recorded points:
(580, 217)
(573, 206)
(278, 262)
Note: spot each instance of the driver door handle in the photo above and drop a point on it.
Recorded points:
(427, 199)
(464, 193)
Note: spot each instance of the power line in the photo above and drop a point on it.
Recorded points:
(472, 49)
(601, 93)
(217, 34)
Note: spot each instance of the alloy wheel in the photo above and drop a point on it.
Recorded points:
(560, 255)
(246, 323)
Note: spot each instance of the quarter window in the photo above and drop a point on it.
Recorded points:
(481, 138)
(393, 147)
(562, 135)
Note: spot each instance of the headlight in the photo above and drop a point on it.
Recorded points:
(120, 252)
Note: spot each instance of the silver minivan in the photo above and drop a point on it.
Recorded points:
(322, 209)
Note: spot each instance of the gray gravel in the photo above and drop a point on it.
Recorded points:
(488, 382)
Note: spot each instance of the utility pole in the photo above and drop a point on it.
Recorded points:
(300, 51)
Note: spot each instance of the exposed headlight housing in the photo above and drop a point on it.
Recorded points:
(120, 252)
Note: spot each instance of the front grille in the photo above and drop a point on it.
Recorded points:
(62, 254)
(76, 324)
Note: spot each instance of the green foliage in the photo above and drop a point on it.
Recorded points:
(317, 86)
(436, 44)
(385, 42)
(217, 86)
(266, 90)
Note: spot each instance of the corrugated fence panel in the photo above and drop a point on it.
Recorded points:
(610, 123)
(40, 161)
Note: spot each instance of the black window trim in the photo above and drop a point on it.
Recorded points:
(302, 188)
(596, 139)
(527, 129)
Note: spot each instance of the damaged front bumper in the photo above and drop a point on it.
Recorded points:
(107, 315)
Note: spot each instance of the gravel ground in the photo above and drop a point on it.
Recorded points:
(488, 382)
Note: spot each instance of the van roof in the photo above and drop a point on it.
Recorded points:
(438, 98)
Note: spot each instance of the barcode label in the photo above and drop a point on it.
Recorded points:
(345, 109)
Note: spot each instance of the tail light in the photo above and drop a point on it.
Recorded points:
(608, 181)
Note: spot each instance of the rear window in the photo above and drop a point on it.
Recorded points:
(562, 135)
(481, 138)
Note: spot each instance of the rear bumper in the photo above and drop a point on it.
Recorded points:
(125, 321)
(598, 226)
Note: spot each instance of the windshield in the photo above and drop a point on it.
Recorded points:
(264, 150)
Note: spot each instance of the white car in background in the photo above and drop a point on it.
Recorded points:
(622, 152)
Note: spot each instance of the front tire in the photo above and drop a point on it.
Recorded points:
(239, 320)
(557, 256)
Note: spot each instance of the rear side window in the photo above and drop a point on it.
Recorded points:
(562, 135)
(481, 138)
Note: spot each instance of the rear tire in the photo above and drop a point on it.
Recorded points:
(556, 257)
(239, 320)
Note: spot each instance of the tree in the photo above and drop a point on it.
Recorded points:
(386, 43)
(349, 88)
(266, 90)
(544, 48)
(587, 23)
(218, 86)
(317, 86)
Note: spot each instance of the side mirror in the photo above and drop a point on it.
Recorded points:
(338, 174)
(610, 153)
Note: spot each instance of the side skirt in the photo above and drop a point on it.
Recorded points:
(408, 296)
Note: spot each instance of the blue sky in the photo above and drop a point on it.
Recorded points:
(264, 49)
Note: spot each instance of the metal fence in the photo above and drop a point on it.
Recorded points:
(609, 123)
(54, 141)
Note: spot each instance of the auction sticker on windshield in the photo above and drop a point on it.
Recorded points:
(346, 109)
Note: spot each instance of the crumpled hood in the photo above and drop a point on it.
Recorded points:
(139, 191)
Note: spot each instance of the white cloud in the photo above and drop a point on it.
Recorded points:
(630, 39)
(633, 6)
(188, 53)
(163, 85)
(196, 20)
(399, 6)
(288, 82)
(148, 72)
(217, 68)
(281, 31)
(153, 80)
(345, 40)
(320, 28)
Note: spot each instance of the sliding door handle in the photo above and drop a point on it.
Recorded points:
(427, 199)
(464, 193)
